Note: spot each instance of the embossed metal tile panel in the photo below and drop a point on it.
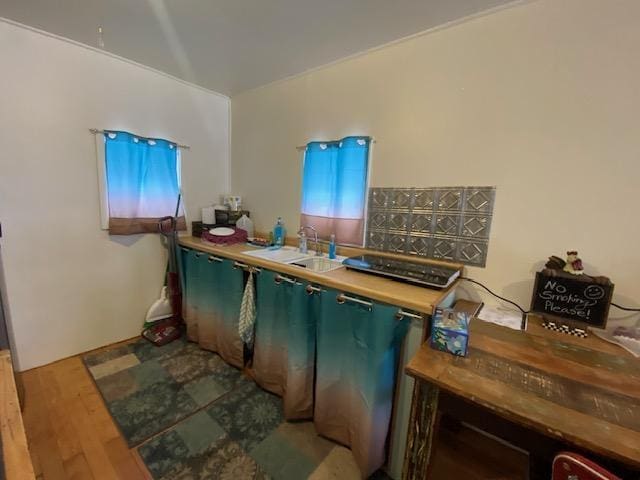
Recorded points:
(446, 223)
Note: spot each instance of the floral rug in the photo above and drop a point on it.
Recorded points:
(242, 436)
(193, 417)
(148, 389)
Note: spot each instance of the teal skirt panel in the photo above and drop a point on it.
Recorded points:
(192, 270)
(284, 345)
(211, 305)
(357, 359)
(223, 330)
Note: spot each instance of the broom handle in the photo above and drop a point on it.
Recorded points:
(178, 206)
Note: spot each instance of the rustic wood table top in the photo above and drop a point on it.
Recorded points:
(583, 391)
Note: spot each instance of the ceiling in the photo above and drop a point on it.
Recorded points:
(234, 45)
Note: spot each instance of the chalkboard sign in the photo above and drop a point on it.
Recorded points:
(572, 297)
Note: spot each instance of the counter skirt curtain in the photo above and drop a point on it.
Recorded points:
(357, 354)
(142, 182)
(334, 188)
(211, 304)
(284, 345)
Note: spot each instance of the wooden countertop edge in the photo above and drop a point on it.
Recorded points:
(521, 418)
(15, 449)
(326, 279)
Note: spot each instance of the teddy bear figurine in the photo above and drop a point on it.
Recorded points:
(573, 264)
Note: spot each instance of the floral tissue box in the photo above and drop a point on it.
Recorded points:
(450, 331)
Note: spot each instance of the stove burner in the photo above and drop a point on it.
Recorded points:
(421, 274)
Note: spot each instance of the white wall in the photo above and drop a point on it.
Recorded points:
(70, 286)
(541, 100)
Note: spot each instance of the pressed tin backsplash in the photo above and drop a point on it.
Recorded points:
(445, 223)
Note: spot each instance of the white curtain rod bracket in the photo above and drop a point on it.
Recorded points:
(97, 131)
(342, 298)
(311, 289)
(282, 278)
(402, 313)
(248, 268)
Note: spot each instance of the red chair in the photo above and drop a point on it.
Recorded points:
(571, 466)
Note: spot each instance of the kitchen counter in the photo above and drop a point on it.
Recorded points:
(412, 297)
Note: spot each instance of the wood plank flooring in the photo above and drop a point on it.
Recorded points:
(463, 453)
(70, 432)
(71, 435)
(16, 461)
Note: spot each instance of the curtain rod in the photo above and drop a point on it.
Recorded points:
(96, 131)
(303, 147)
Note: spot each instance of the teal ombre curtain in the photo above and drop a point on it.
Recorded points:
(192, 271)
(222, 289)
(211, 304)
(142, 182)
(284, 345)
(334, 188)
(357, 360)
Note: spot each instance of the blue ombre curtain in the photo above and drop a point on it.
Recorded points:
(284, 346)
(142, 182)
(357, 361)
(334, 188)
(211, 303)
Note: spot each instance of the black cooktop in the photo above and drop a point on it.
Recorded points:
(434, 276)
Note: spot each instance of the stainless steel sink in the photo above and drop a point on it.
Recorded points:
(281, 255)
(318, 264)
(292, 256)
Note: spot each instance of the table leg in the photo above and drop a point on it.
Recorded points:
(422, 430)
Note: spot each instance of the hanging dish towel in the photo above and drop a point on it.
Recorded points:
(248, 313)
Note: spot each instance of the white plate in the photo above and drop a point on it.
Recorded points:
(222, 231)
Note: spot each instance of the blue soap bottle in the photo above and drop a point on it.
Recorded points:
(332, 246)
(279, 233)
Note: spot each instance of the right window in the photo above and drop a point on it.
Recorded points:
(334, 188)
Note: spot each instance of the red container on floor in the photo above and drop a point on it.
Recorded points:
(163, 332)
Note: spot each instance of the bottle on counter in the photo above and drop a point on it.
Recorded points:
(279, 233)
(302, 243)
(332, 246)
(246, 224)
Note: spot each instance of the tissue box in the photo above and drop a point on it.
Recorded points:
(450, 332)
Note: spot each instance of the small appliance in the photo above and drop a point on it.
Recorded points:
(425, 275)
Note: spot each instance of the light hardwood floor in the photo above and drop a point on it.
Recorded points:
(70, 432)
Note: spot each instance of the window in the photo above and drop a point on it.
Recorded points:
(140, 182)
(334, 188)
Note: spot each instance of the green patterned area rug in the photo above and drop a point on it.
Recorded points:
(148, 389)
(193, 417)
(242, 436)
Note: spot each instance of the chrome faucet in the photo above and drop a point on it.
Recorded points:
(318, 248)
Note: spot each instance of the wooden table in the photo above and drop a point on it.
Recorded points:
(584, 392)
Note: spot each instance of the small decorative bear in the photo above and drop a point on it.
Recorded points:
(574, 264)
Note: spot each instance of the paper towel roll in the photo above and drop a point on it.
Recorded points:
(208, 215)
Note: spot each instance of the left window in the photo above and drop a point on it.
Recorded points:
(139, 182)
